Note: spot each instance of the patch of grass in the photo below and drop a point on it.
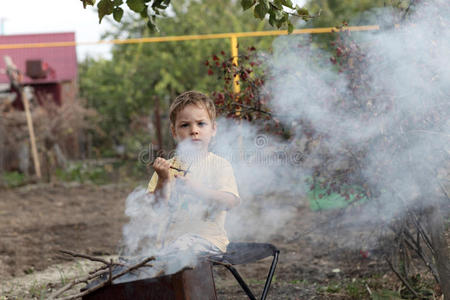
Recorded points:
(385, 295)
(38, 291)
(299, 282)
(421, 285)
(81, 172)
(62, 277)
(13, 179)
(80, 268)
(29, 270)
(262, 281)
(256, 281)
(333, 288)
(356, 289)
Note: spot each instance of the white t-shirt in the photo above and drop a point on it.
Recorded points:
(192, 215)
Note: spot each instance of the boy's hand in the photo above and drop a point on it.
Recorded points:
(162, 167)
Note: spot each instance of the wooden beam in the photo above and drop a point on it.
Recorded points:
(15, 79)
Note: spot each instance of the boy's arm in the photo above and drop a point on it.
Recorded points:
(214, 198)
(161, 190)
(220, 199)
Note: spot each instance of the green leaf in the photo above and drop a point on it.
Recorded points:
(282, 20)
(272, 18)
(160, 4)
(265, 3)
(278, 14)
(152, 26)
(118, 2)
(88, 2)
(287, 3)
(302, 11)
(277, 4)
(117, 14)
(136, 5)
(290, 27)
(260, 11)
(105, 7)
(246, 4)
(144, 12)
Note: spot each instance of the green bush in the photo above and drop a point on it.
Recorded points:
(13, 179)
(81, 172)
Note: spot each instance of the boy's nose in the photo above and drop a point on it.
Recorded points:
(194, 130)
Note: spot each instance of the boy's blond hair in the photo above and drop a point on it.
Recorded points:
(191, 97)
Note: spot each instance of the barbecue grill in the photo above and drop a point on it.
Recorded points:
(192, 284)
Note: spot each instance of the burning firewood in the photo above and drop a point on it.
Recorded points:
(105, 270)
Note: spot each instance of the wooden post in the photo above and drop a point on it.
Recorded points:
(237, 90)
(234, 54)
(15, 78)
(158, 122)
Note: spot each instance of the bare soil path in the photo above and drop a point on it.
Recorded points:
(36, 221)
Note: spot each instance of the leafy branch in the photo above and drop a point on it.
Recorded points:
(279, 11)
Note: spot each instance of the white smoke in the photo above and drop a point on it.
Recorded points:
(409, 65)
(409, 73)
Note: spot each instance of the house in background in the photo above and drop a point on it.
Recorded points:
(51, 71)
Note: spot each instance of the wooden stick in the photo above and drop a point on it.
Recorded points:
(174, 168)
(75, 282)
(34, 152)
(94, 288)
(405, 282)
(14, 76)
(93, 258)
(110, 272)
(179, 170)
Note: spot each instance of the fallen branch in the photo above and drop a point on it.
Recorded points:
(76, 282)
(415, 246)
(101, 271)
(93, 258)
(405, 282)
(106, 282)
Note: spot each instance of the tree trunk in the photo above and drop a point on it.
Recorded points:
(437, 228)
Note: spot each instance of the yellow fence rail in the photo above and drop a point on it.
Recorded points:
(233, 36)
(189, 37)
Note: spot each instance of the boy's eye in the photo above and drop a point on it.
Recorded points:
(202, 123)
(184, 125)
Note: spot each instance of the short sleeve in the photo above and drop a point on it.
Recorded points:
(226, 182)
(152, 183)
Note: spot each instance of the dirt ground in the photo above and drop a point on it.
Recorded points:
(38, 220)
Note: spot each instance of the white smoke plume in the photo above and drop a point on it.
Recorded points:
(408, 94)
(409, 65)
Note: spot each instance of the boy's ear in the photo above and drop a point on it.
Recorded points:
(214, 127)
(172, 129)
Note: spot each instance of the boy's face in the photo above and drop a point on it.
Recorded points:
(193, 123)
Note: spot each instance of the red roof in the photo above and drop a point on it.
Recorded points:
(62, 60)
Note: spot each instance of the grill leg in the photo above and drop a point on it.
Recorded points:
(242, 282)
(270, 276)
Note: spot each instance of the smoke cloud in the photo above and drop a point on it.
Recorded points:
(407, 74)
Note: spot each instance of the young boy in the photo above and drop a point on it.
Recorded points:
(196, 185)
